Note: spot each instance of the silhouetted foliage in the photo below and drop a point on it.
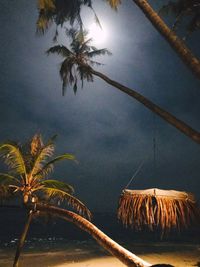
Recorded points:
(186, 12)
(29, 165)
(59, 12)
(78, 59)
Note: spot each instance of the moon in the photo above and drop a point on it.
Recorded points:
(97, 34)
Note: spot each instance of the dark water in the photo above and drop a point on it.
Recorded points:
(52, 230)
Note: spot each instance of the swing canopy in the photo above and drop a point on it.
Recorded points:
(158, 209)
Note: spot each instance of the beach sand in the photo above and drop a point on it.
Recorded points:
(179, 256)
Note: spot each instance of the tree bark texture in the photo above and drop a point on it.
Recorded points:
(22, 240)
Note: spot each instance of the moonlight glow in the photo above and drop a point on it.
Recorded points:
(97, 34)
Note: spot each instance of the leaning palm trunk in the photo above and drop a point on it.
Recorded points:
(175, 42)
(106, 242)
(180, 125)
(22, 240)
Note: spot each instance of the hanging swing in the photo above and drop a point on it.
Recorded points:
(157, 209)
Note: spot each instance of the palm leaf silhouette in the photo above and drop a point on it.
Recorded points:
(77, 59)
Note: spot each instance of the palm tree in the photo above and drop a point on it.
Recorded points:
(78, 62)
(28, 168)
(60, 11)
(125, 256)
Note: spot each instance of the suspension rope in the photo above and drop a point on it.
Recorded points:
(154, 155)
(135, 173)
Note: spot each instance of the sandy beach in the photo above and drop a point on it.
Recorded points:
(176, 255)
(176, 259)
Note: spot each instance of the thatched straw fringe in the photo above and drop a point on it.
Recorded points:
(155, 208)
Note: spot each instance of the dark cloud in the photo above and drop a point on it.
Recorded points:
(109, 132)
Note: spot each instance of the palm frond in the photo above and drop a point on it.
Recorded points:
(6, 179)
(58, 185)
(43, 171)
(77, 63)
(66, 73)
(47, 10)
(59, 158)
(60, 50)
(52, 139)
(98, 52)
(114, 3)
(42, 155)
(36, 144)
(29, 165)
(5, 192)
(46, 14)
(180, 9)
(97, 19)
(75, 86)
(59, 12)
(194, 23)
(84, 46)
(13, 157)
(71, 32)
(92, 63)
(58, 194)
(85, 73)
(46, 4)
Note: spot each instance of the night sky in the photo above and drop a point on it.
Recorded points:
(109, 132)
